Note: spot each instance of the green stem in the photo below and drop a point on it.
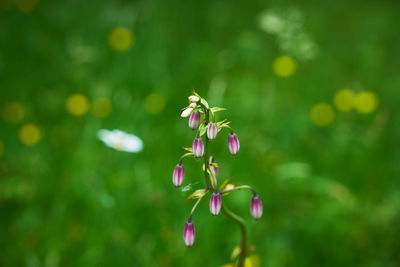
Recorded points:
(206, 175)
(196, 204)
(242, 226)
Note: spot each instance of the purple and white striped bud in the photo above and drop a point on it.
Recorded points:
(215, 203)
(188, 234)
(194, 120)
(212, 130)
(198, 147)
(193, 98)
(178, 175)
(233, 144)
(256, 208)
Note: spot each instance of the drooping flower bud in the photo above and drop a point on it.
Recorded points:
(178, 175)
(198, 147)
(215, 203)
(212, 130)
(233, 144)
(189, 233)
(256, 208)
(186, 112)
(193, 98)
(192, 105)
(194, 120)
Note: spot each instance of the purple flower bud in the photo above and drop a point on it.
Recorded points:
(233, 144)
(212, 130)
(198, 147)
(215, 203)
(188, 234)
(256, 208)
(194, 120)
(178, 175)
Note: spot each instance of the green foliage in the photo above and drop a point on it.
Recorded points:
(326, 165)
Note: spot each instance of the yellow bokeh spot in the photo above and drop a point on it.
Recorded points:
(121, 39)
(101, 107)
(77, 104)
(26, 6)
(322, 114)
(366, 102)
(13, 112)
(29, 134)
(344, 100)
(284, 66)
(155, 103)
(1, 148)
(252, 261)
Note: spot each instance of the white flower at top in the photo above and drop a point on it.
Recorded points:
(120, 140)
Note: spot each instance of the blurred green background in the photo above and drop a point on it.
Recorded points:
(312, 89)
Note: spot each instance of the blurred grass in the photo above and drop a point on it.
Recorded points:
(331, 193)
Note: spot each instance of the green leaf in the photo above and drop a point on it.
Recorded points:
(214, 164)
(204, 102)
(213, 178)
(202, 129)
(216, 109)
(188, 149)
(222, 187)
(223, 122)
(195, 93)
(199, 193)
(229, 187)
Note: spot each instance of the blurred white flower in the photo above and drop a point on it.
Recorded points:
(120, 140)
(288, 26)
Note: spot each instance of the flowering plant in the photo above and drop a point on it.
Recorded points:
(202, 120)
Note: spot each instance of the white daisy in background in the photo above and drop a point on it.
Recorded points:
(120, 140)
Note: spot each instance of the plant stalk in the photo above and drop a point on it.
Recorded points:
(242, 226)
(225, 210)
(206, 175)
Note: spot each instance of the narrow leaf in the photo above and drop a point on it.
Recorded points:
(202, 129)
(195, 93)
(216, 109)
(188, 149)
(222, 187)
(212, 178)
(204, 102)
(199, 193)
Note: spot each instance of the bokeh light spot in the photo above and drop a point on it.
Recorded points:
(252, 261)
(322, 114)
(366, 102)
(13, 112)
(121, 39)
(284, 66)
(101, 107)
(77, 104)
(29, 134)
(26, 6)
(344, 100)
(1, 148)
(155, 103)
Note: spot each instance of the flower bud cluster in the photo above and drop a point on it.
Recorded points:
(202, 120)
